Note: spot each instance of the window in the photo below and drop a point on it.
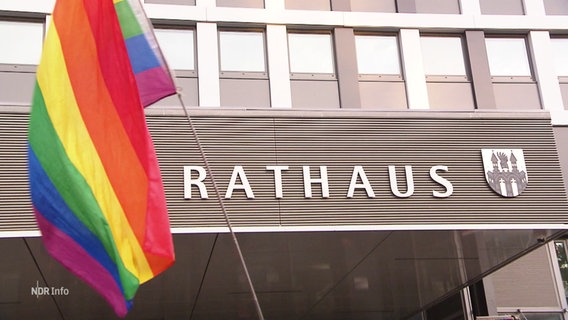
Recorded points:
(504, 7)
(525, 315)
(380, 79)
(443, 56)
(445, 69)
(324, 5)
(507, 57)
(241, 3)
(556, 7)
(178, 47)
(25, 41)
(373, 6)
(377, 54)
(310, 53)
(438, 6)
(562, 255)
(560, 50)
(242, 51)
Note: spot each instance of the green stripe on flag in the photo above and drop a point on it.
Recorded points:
(128, 22)
(51, 154)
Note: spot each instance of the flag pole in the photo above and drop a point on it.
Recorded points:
(223, 208)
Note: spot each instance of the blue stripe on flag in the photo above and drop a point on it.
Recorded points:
(48, 201)
(142, 57)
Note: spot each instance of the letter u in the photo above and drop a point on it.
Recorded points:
(394, 182)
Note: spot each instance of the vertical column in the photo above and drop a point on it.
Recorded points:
(546, 77)
(470, 7)
(534, 7)
(208, 65)
(46, 26)
(275, 4)
(413, 68)
(347, 73)
(480, 73)
(278, 66)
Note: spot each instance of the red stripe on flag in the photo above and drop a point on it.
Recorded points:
(158, 241)
(100, 116)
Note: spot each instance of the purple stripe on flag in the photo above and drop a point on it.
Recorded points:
(80, 263)
(154, 84)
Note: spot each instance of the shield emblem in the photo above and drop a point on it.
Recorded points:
(505, 171)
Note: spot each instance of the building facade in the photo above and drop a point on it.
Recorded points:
(379, 159)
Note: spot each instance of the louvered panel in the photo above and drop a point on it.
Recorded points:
(338, 143)
(15, 208)
(422, 143)
(227, 142)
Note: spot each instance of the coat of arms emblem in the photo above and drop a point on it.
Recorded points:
(505, 171)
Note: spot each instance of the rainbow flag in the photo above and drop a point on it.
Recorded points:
(95, 182)
(152, 75)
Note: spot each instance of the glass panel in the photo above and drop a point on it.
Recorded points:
(178, 48)
(507, 57)
(24, 40)
(442, 55)
(241, 3)
(560, 50)
(562, 263)
(556, 7)
(504, 7)
(322, 5)
(181, 2)
(242, 51)
(377, 55)
(438, 6)
(310, 53)
(541, 316)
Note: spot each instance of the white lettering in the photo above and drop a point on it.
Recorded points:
(277, 179)
(59, 291)
(195, 178)
(239, 172)
(189, 182)
(394, 182)
(358, 172)
(308, 181)
(442, 181)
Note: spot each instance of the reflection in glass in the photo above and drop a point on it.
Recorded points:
(507, 57)
(310, 275)
(443, 56)
(242, 51)
(560, 246)
(24, 40)
(178, 48)
(377, 55)
(541, 316)
(310, 53)
(560, 51)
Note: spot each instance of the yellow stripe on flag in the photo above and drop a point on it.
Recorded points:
(68, 123)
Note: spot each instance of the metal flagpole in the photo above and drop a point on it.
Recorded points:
(223, 209)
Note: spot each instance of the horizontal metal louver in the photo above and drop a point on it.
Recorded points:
(338, 142)
(15, 209)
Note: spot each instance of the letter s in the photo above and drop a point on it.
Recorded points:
(442, 181)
